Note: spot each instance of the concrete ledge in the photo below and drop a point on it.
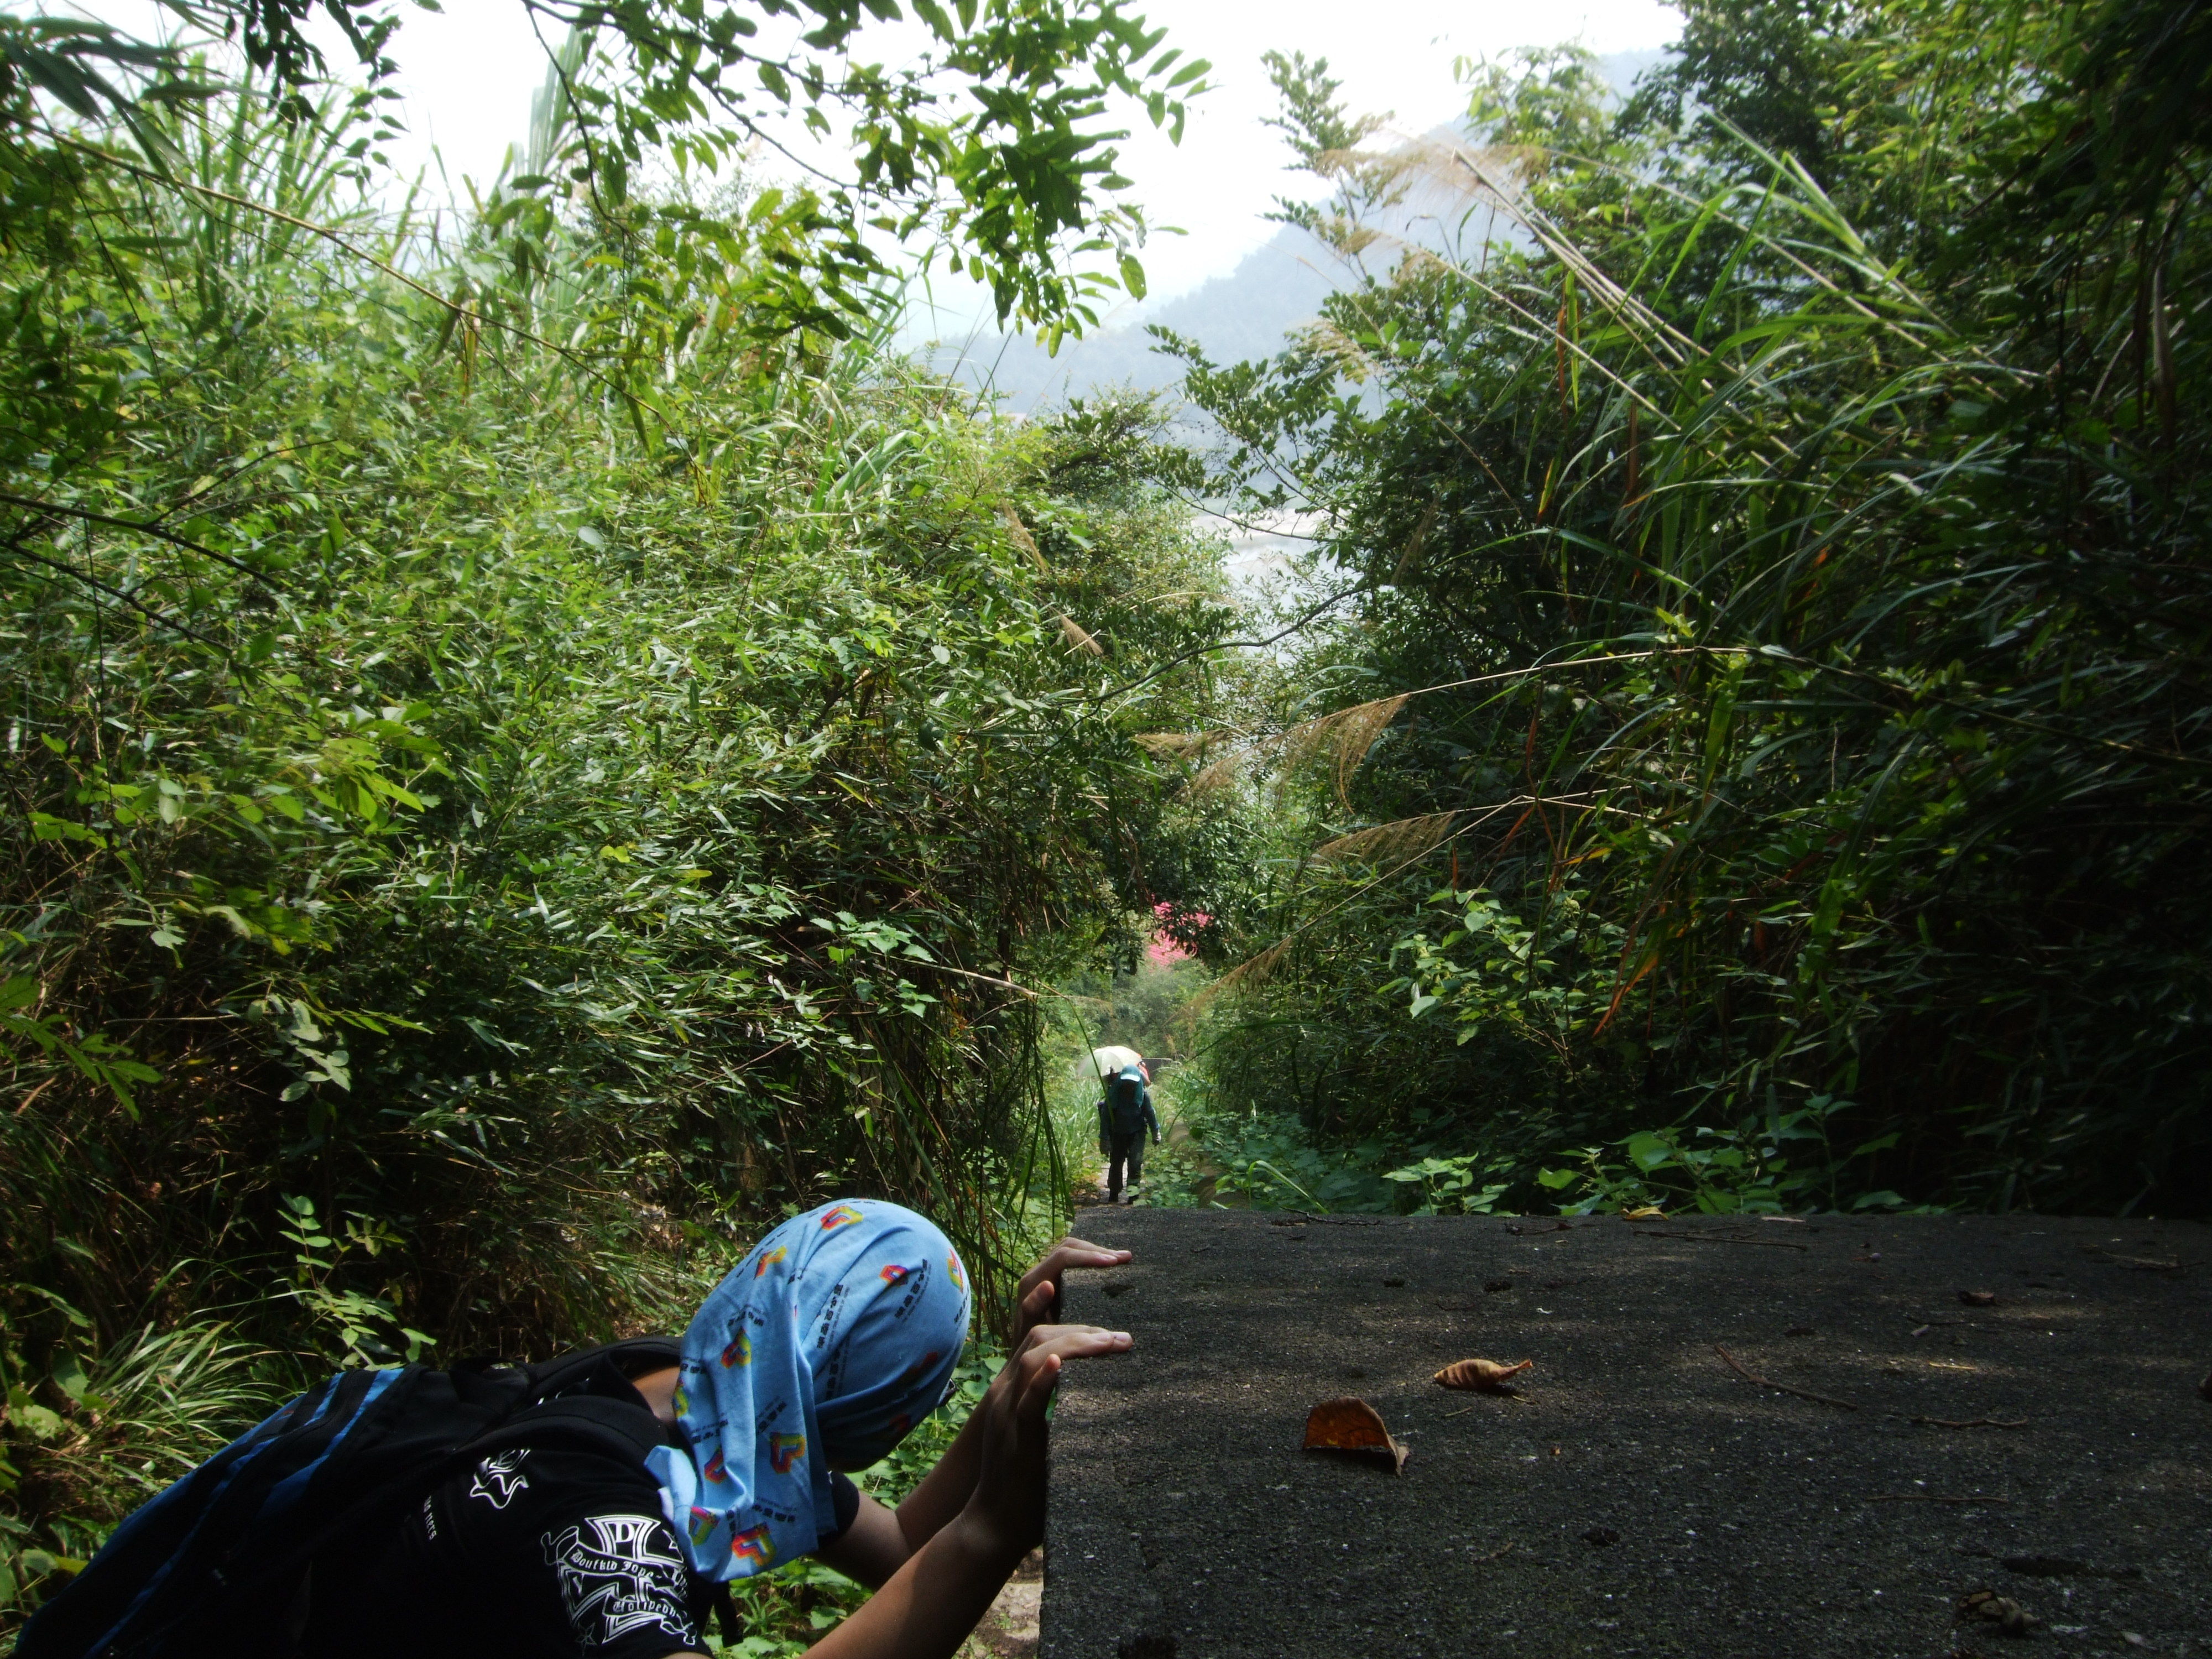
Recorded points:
(1641, 1499)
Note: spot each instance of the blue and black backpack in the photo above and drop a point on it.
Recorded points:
(1125, 1100)
(218, 1564)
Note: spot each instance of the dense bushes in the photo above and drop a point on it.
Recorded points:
(1789, 539)
(479, 836)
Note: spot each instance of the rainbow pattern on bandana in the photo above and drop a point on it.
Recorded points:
(753, 1545)
(716, 1470)
(843, 1216)
(785, 1450)
(768, 1259)
(739, 1352)
(952, 1267)
(893, 1273)
(703, 1525)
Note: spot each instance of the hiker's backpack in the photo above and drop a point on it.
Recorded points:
(1125, 1100)
(217, 1564)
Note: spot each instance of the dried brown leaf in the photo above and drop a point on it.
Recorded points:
(1485, 1375)
(1352, 1425)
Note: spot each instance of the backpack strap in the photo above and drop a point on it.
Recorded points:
(609, 1369)
(625, 1429)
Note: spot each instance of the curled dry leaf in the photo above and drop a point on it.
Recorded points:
(1978, 1298)
(1353, 1425)
(1645, 1212)
(1485, 1375)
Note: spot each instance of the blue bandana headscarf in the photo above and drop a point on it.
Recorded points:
(831, 1340)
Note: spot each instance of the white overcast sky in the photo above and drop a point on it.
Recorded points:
(467, 75)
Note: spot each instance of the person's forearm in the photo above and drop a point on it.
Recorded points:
(930, 1603)
(945, 1490)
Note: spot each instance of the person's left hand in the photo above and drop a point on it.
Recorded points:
(1040, 1292)
(1008, 1506)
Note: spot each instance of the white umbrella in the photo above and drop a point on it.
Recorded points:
(1112, 1058)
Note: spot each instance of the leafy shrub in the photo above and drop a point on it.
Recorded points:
(475, 841)
(1747, 589)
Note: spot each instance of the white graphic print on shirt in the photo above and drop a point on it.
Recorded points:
(500, 1476)
(621, 1573)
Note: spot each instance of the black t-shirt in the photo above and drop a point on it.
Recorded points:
(556, 1552)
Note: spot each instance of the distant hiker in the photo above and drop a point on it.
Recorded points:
(598, 1506)
(1125, 1112)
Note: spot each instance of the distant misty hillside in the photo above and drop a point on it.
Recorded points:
(1274, 289)
(1244, 314)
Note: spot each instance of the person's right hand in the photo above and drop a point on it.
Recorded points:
(1007, 1507)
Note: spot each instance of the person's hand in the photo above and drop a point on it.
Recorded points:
(1007, 1507)
(1040, 1292)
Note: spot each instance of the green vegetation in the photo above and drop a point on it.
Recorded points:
(504, 794)
(1765, 717)
(535, 742)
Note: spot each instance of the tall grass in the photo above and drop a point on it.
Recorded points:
(1794, 582)
(479, 844)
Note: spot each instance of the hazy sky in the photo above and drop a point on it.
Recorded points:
(467, 76)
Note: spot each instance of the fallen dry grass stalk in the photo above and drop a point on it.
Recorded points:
(1781, 1387)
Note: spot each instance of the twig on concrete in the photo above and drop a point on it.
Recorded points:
(1927, 1497)
(2148, 1264)
(1783, 1387)
(1970, 1423)
(1461, 1412)
(1718, 1238)
(1492, 1556)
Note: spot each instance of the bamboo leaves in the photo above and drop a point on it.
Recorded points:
(1852, 615)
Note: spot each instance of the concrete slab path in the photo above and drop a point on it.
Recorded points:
(1641, 1498)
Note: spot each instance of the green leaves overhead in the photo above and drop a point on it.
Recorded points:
(996, 148)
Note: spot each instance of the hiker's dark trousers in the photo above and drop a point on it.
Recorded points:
(1130, 1149)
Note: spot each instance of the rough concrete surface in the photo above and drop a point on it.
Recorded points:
(1640, 1497)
